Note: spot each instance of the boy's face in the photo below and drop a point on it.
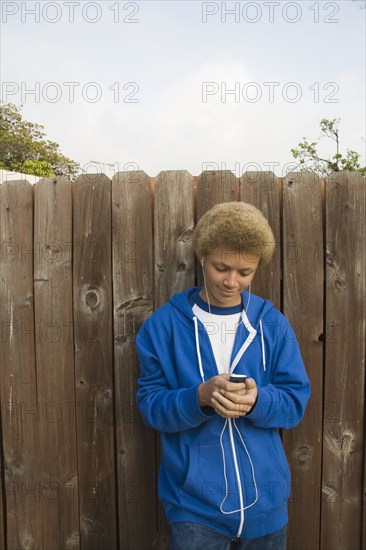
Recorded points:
(227, 274)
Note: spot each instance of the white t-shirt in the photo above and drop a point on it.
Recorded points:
(221, 325)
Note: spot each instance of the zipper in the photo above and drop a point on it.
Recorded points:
(241, 499)
(252, 333)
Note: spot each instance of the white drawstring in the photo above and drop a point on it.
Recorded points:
(248, 341)
(226, 484)
(198, 348)
(263, 351)
(252, 334)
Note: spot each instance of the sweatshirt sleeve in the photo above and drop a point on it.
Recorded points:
(281, 403)
(163, 408)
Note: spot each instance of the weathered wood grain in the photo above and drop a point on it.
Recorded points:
(261, 189)
(173, 228)
(20, 412)
(2, 487)
(344, 396)
(363, 528)
(303, 276)
(53, 306)
(173, 261)
(363, 534)
(92, 289)
(132, 246)
(213, 187)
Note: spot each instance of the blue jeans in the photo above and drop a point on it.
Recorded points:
(193, 536)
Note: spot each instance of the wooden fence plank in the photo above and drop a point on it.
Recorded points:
(2, 484)
(213, 187)
(173, 228)
(133, 303)
(363, 535)
(303, 306)
(261, 189)
(174, 258)
(344, 430)
(20, 415)
(93, 319)
(55, 363)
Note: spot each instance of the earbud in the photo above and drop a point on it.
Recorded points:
(202, 261)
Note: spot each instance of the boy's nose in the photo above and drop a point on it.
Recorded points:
(231, 280)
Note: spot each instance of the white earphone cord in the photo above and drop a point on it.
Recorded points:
(237, 429)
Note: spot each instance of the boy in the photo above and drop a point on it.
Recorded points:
(224, 479)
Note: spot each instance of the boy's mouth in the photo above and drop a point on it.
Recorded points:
(228, 292)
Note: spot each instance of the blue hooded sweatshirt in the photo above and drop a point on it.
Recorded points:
(230, 475)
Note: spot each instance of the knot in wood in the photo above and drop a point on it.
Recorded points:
(87, 526)
(107, 394)
(330, 259)
(131, 314)
(92, 299)
(120, 339)
(339, 283)
(73, 541)
(347, 442)
(304, 453)
(185, 235)
(181, 267)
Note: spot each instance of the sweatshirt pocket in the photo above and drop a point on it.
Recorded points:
(278, 455)
(204, 480)
(192, 468)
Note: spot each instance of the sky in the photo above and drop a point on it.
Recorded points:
(186, 85)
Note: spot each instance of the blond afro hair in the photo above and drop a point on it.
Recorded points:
(236, 226)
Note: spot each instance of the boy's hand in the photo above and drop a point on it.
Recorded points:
(228, 399)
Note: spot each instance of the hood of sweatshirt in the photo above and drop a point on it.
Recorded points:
(252, 316)
(256, 308)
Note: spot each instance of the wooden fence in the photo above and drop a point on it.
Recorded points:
(82, 265)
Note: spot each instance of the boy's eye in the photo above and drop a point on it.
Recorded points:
(225, 269)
